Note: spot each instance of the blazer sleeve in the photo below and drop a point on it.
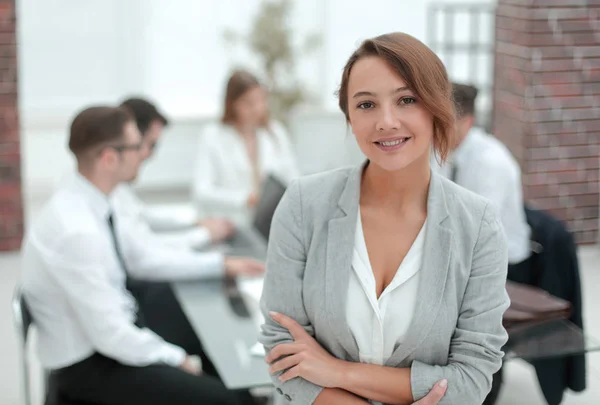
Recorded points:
(282, 291)
(475, 350)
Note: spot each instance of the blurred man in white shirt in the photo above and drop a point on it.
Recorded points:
(80, 266)
(186, 230)
(484, 165)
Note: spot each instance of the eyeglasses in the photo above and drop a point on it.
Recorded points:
(122, 148)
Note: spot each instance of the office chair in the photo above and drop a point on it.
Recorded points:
(23, 322)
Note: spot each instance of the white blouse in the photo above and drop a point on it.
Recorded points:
(223, 178)
(379, 325)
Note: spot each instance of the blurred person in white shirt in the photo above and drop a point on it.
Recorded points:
(81, 271)
(483, 164)
(186, 229)
(236, 155)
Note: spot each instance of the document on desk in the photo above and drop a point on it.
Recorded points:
(251, 290)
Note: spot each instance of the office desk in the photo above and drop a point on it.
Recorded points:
(226, 334)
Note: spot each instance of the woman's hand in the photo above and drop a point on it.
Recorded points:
(304, 358)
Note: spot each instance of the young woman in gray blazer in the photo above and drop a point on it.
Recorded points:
(385, 279)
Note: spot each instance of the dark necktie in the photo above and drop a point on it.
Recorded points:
(132, 285)
(113, 233)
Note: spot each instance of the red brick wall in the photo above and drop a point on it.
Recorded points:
(547, 104)
(11, 204)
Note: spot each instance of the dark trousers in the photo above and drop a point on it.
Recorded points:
(522, 272)
(99, 380)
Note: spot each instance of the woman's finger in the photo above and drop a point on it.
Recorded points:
(284, 349)
(285, 363)
(290, 374)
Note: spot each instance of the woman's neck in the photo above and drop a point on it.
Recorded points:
(245, 131)
(396, 191)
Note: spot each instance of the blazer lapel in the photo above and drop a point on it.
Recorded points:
(340, 245)
(433, 272)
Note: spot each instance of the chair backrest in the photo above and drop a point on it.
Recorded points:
(21, 314)
(23, 322)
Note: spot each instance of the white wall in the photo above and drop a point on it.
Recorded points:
(75, 53)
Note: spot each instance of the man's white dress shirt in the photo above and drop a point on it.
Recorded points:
(74, 283)
(172, 224)
(485, 166)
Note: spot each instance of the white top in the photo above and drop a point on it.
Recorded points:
(379, 325)
(223, 178)
(485, 166)
(75, 285)
(124, 200)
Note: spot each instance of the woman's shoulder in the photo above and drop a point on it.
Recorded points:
(319, 192)
(327, 183)
(465, 207)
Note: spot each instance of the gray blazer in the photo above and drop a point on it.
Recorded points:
(457, 328)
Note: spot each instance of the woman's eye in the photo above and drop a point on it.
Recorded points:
(408, 100)
(366, 105)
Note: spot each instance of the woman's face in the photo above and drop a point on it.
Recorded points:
(251, 108)
(392, 128)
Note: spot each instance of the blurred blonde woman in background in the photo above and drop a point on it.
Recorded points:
(236, 155)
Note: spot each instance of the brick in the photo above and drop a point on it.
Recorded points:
(563, 177)
(587, 212)
(11, 225)
(545, 204)
(560, 3)
(544, 13)
(10, 172)
(512, 62)
(8, 51)
(10, 244)
(517, 11)
(558, 38)
(511, 111)
(9, 120)
(525, 3)
(581, 225)
(575, 76)
(9, 148)
(586, 200)
(540, 191)
(560, 127)
(512, 24)
(513, 82)
(566, 65)
(564, 25)
(557, 52)
(7, 17)
(554, 165)
(563, 114)
(586, 238)
(577, 101)
(578, 189)
(558, 90)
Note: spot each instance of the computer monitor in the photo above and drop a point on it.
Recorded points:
(273, 190)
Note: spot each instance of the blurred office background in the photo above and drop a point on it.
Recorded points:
(537, 64)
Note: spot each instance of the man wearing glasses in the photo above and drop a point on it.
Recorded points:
(187, 231)
(79, 277)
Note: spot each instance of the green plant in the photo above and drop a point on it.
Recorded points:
(270, 38)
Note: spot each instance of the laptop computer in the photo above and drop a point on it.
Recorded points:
(252, 241)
